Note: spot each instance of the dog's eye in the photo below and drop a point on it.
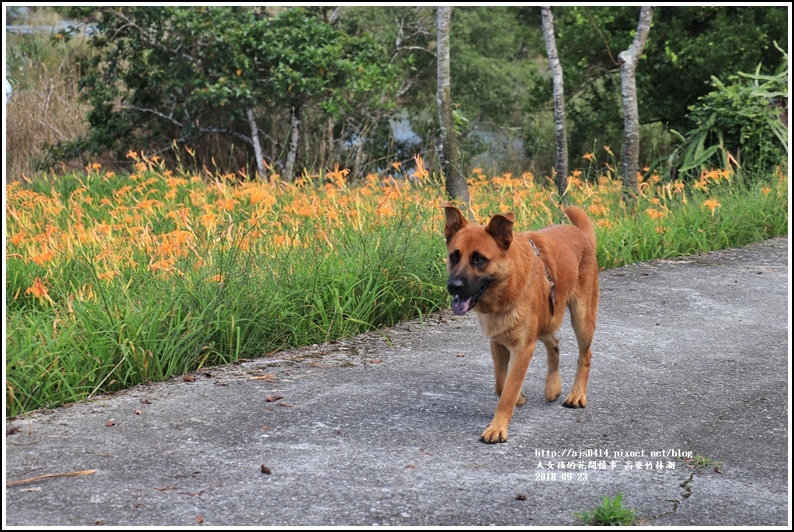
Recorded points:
(478, 260)
(454, 257)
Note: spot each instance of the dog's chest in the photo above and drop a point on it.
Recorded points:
(509, 329)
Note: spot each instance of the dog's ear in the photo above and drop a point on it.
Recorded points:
(455, 220)
(501, 229)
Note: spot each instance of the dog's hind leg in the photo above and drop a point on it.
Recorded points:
(553, 382)
(583, 319)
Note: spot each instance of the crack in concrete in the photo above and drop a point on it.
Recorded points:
(686, 486)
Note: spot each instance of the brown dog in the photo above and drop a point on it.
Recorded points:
(519, 284)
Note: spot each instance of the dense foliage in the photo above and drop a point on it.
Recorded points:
(340, 76)
(173, 74)
(738, 123)
(687, 46)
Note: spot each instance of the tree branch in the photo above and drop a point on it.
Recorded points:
(606, 44)
(147, 37)
(205, 129)
(155, 112)
(402, 37)
(335, 14)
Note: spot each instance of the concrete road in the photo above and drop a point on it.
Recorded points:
(690, 365)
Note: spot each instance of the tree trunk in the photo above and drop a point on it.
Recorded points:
(450, 150)
(289, 168)
(329, 133)
(323, 151)
(631, 121)
(275, 155)
(326, 142)
(260, 156)
(561, 167)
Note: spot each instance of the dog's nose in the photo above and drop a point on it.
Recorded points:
(455, 285)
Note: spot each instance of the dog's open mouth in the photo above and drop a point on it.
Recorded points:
(461, 305)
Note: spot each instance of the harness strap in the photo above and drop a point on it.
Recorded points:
(552, 295)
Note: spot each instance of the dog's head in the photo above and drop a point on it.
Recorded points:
(476, 257)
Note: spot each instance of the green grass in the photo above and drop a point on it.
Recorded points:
(610, 512)
(746, 214)
(148, 328)
(699, 461)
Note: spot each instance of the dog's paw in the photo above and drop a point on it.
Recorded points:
(494, 434)
(553, 388)
(575, 401)
(552, 396)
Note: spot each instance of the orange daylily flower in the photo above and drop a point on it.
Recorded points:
(41, 258)
(712, 204)
(420, 172)
(39, 291)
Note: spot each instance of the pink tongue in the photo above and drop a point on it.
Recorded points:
(460, 306)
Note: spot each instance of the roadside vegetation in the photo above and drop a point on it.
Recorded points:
(114, 279)
(176, 247)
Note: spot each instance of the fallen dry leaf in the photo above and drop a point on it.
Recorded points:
(282, 403)
(521, 497)
(146, 401)
(266, 470)
(376, 361)
(189, 378)
(273, 398)
(52, 475)
(110, 423)
(410, 466)
(460, 355)
(165, 488)
(139, 412)
(199, 519)
(266, 376)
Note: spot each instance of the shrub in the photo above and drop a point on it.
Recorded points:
(738, 123)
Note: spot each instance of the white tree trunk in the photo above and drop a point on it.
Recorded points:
(260, 156)
(329, 132)
(450, 151)
(631, 121)
(292, 154)
(561, 167)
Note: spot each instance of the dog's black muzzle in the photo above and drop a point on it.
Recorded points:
(466, 293)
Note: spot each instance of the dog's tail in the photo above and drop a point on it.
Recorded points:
(580, 219)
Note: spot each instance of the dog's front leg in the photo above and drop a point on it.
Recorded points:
(510, 391)
(501, 363)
